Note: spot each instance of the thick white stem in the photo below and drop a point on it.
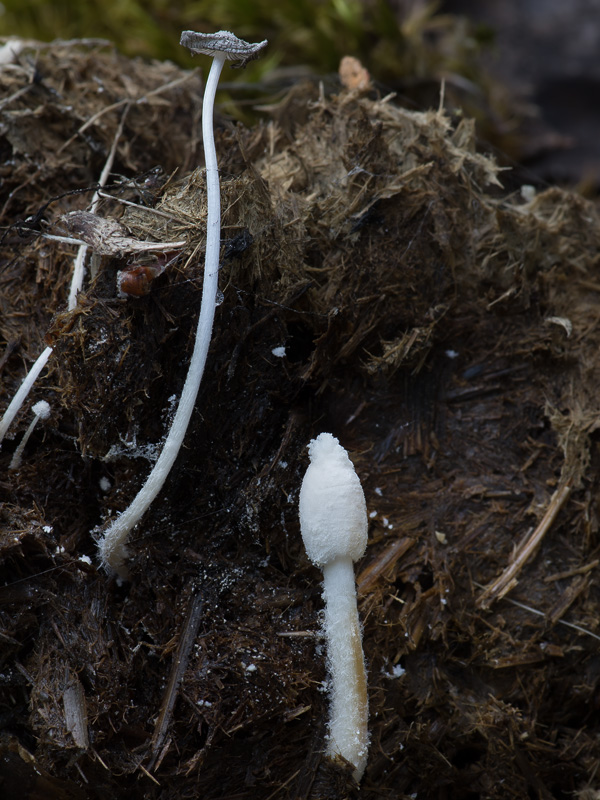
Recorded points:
(349, 711)
(112, 547)
(23, 391)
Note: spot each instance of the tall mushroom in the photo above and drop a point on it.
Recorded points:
(222, 46)
(333, 522)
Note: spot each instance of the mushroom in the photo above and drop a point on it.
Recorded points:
(222, 46)
(41, 410)
(333, 522)
(24, 389)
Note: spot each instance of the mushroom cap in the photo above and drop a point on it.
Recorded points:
(41, 409)
(222, 43)
(333, 512)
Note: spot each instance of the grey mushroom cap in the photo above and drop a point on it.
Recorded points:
(222, 43)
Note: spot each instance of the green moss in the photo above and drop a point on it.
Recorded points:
(312, 32)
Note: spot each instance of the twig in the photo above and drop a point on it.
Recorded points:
(539, 613)
(127, 100)
(148, 209)
(371, 574)
(508, 579)
(180, 662)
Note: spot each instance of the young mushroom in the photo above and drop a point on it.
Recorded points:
(41, 410)
(222, 46)
(24, 389)
(333, 522)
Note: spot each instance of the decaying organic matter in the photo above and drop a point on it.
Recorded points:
(378, 282)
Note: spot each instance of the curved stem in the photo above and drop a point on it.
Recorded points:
(112, 547)
(79, 266)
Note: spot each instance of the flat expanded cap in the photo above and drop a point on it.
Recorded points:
(222, 43)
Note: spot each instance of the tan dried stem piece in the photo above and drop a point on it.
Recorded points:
(508, 579)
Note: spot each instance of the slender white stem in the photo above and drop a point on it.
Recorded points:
(112, 547)
(17, 457)
(79, 267)
(23, 391)
(40, 410)
(349, 711)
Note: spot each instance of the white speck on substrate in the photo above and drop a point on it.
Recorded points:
(250, 668)
(205, 703)
(104, 483)
(278, 352)
(386, 522)
(47, 528)
(452, 353)
(528, 192)
(283, 464)
(397, 671)
(85, 559)
(379, 491)
(372, 514)
(59, 550)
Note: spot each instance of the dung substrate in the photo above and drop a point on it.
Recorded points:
(379, 283)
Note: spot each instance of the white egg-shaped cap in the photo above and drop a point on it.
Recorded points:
(333, 512)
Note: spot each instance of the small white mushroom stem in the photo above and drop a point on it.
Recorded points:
(40, 410)
(333, 521)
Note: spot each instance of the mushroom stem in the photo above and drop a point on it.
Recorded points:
(221, 46)
(333, 521)
(112, 549)
(41, 410)
(348, 720)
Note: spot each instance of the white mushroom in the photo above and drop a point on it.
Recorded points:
(41, 410)
(333, 521)
(222, 46)
(24, 389)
